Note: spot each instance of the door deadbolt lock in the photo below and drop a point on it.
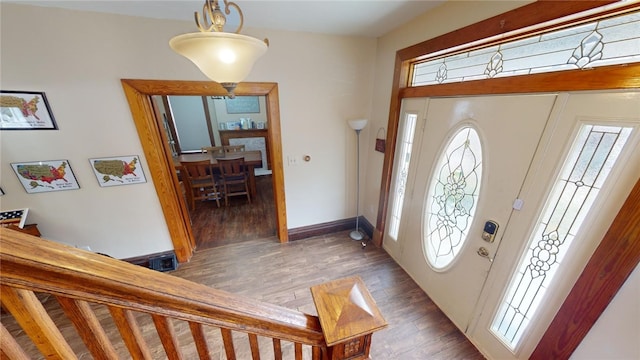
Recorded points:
(482, 251)
(490, 231)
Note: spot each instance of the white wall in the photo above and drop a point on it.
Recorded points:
(78, 59)
(616, 333)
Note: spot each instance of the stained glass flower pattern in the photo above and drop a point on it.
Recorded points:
(590, 49)
(586, 167)
(453, 197)
(608, 41)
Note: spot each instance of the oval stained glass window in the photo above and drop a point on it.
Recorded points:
(452, 198)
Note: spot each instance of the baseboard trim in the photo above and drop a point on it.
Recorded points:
(300, 233)
(305, 232)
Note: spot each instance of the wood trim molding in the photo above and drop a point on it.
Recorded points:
(572, 322)
(165, 180)
(158, 155)
(305, 232)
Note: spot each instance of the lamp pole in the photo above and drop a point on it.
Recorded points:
(356, 234)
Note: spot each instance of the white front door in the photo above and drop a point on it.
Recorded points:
(495, 158)
(508, 128)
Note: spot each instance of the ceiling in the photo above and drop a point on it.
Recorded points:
(370, 18)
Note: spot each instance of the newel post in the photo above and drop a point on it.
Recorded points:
(348, 316)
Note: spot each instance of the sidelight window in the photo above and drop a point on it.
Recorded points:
(586, 168)
(405, 144)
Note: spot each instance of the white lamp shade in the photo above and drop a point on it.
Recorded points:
(358, 124)
(222, 57)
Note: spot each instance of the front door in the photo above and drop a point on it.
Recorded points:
(481, 177)
(488, 144)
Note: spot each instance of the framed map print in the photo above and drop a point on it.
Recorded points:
(25, 110)
(45, 176)
(121, 170)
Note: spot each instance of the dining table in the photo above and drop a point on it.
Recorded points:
(252, 160)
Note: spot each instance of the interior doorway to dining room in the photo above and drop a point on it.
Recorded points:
(193, 122)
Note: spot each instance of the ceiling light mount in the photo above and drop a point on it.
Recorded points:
(224, 57)
(214, 19)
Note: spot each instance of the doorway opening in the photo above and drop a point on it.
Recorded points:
(198, 125)
(161, 163)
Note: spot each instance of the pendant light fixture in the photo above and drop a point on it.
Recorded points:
(226, 58)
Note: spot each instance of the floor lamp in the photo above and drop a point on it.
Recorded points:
(357, 125)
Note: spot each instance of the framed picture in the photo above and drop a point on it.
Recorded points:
(45, 176)
(25, 110)
(120, 170)
(17, 217)
(243, 105)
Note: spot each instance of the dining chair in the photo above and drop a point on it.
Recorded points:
(233, 178)
(233, 148)
(200, 181)
(213, 150)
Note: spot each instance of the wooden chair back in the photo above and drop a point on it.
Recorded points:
(234, 148)
(200, 180)
(213, 150)
(234, 178)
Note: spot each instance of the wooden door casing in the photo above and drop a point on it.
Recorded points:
(158, 156)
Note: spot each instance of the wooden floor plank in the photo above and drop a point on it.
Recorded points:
(283, 273)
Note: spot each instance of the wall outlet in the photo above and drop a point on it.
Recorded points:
(292, 160)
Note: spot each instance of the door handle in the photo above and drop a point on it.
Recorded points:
(482, 251)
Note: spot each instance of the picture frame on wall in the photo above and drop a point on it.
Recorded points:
(243, 105)
(119, 170)
(16, 217)
(45, 176)
(25, 110)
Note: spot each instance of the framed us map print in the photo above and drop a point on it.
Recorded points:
(120, 170)
(45, 176)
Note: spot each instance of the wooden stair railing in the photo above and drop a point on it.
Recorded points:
(85, 283)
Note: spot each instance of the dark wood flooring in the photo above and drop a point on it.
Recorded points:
(240, 221)
(282, 274)
(238, 252)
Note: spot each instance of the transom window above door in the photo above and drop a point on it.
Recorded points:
(608, 41)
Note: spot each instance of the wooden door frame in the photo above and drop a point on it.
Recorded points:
(619, 251)
(158, 155)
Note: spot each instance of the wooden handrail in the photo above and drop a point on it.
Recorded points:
(77, 277)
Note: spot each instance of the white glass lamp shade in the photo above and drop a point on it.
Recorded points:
(358, 124)
(222, 57)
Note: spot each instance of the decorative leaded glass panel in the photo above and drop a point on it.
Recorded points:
(400, 182)
(587, 166)
(600, 43)
(452, 198)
